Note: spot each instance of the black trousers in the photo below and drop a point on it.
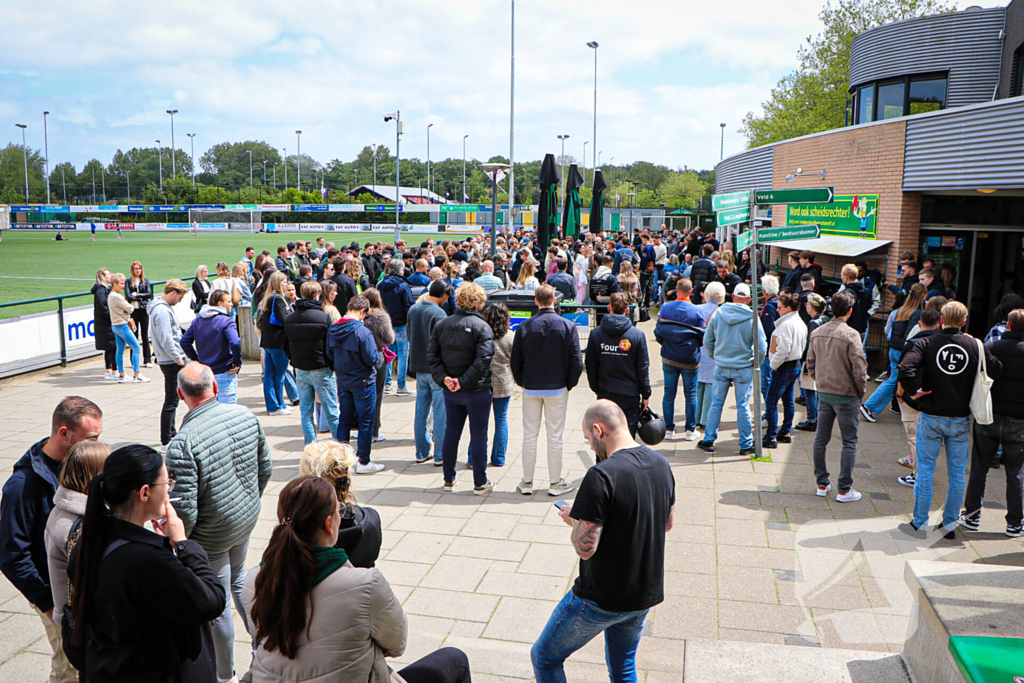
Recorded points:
(382, 376)
(109, 361)
(630, 406)
(447, 665)
(1007, 432)
(141, 318)
(167, 430)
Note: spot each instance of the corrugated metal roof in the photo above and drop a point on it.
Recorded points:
(966, 44)
(834, 245)
(749, 170)
(388, 191)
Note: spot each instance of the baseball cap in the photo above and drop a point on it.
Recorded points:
(742, 290)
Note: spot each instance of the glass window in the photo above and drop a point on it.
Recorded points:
(1018, 77)
(927, 95)
(890, 100)
(866, 104)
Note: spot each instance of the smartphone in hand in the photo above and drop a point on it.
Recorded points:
(561, 504)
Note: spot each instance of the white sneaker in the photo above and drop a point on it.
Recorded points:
(525, 488)
(559, 487)
(121, 379)
(851, 496)
(379, 438)
(139, 379)
(670, 434)
(483, 490)
(147, 365)
(283, 411)
(823, 490)
(369, 468)
(692, 436)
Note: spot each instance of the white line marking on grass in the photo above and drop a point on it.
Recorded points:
(29, 277)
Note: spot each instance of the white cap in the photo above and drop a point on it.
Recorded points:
(742, 290)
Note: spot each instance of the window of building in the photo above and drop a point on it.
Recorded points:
(1018, 74)
(866, 104)
(927, 95)
(890, 100)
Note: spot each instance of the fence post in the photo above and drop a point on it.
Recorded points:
(63, 340)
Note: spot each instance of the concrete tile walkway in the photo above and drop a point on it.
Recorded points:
(755, 556)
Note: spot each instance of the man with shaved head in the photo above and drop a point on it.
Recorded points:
(623, 510)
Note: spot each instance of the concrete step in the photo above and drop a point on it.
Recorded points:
(722, 661)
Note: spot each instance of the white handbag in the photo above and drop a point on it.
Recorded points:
(981, 394)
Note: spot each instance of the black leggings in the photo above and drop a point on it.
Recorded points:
(109, 361)
(447, 665)
(141, 318)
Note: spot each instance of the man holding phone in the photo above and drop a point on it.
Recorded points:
(622, 513)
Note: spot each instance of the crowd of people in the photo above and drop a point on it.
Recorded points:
(136, 559)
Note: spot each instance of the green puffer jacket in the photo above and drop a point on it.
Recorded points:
(220, 462)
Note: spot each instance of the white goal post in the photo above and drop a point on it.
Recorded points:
(223, 219)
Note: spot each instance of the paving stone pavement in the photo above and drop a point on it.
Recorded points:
(754, 556)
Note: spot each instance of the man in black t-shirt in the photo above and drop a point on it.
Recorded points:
(623, 510)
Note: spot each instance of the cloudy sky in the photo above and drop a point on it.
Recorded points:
(669, 72)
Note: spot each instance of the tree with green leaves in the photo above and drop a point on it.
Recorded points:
(813, 98)
(12, 174)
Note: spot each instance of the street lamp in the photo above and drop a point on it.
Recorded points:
(46, 160)
(160, 156)
(275, 175)
(563, 138)
(298, 159)
(512, 122)
(593, 46)
(249, 152)
(721, 154)
(265, 172)
(192, 141)
(429, 126)
(128, 179)
(174, 167)
(24, 156)
(397, 116)
(463, 198)
(492, 170)
(285, 150)
(585, 142)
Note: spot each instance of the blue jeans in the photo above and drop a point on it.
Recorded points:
(458, 406)
(229, 566)
(573, 624)
(703, 402)
(766, 377)
(360, 401)
(312, 383)
(500, 430)
(227, 387)
(883, 394)
(289, 385)
(932, 432)
(668, 403)
(401, 349)
(123, 336)
(782, 385)
(742, 381)
(275, 365)
(429, 396)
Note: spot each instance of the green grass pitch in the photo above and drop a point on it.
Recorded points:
(34, 266)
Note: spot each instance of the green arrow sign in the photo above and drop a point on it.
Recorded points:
(743, 240)
(734, 216)
(730, 200)
(812, 195)
(788, 232)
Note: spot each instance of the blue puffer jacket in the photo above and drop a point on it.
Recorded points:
(680, 331)
(397, 297)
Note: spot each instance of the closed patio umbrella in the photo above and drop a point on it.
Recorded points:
(547, 219)
(571, 212)
(597, 203)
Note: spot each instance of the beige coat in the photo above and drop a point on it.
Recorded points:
(835, 360)
(501, 367)
(357, 622)
(120, 310)
(68, 506)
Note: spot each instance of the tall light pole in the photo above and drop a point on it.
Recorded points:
(463, 199)
(585, 142)
(598, 161)
(512, 123)
(46, 160)
(64, 184)
(298, 159)
(285, 150)
(174, 167)
(265, 172)
(593, 46)
(128, 179)
(160, 156)
(563, 138)
(721, 153)
(249, 152)
(24, 156)
(397, 116)
(429, 126)
(375, 147)
(192, 141)
(275, 175)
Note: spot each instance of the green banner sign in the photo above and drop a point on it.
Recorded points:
(808, 195)
(744, 239)
(734, 216)
(850, 215)
(730, 200)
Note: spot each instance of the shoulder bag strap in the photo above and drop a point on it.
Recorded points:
(982, 367)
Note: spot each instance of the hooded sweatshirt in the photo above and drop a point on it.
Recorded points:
(352, 352)
(213, 340)
(729, 338)
(165, 333)
(397, 297)
(617, 361)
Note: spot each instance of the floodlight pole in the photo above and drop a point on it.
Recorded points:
(298, 158)
(563, 138)
(160, 157)
(46, 151)
(24, 157)
(593, 45)
(429, 126)
(174, 168)
(511, 129)
(192, 140)
(249, 152)
(285, 150)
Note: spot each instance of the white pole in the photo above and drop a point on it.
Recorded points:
(512, 125)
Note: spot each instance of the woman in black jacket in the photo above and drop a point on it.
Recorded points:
(142, 600)
(201, 288)
(273, 310)
(459, 354)
(378, 321)
(104, 333)
(139, 294)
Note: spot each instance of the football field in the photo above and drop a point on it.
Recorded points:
(34, 266)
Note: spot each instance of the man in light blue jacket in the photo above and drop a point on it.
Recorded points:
(729, 340)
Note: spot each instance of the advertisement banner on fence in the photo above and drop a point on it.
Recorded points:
(115, 226)
(275, 207)
(43, 226)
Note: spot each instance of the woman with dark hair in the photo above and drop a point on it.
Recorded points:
(139, 294)
(104, 331)
(502, 384)
(378, 321)
(904, 320)
(318, 617)
(142, 600)
(1008, 303)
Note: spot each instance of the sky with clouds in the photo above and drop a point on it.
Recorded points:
(669, 72)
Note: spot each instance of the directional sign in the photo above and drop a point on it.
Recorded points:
(788, 232)
(812, 195)
(734, 216)
(743, 240)
(730, 200)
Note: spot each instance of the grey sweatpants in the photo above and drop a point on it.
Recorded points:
(849, 421)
